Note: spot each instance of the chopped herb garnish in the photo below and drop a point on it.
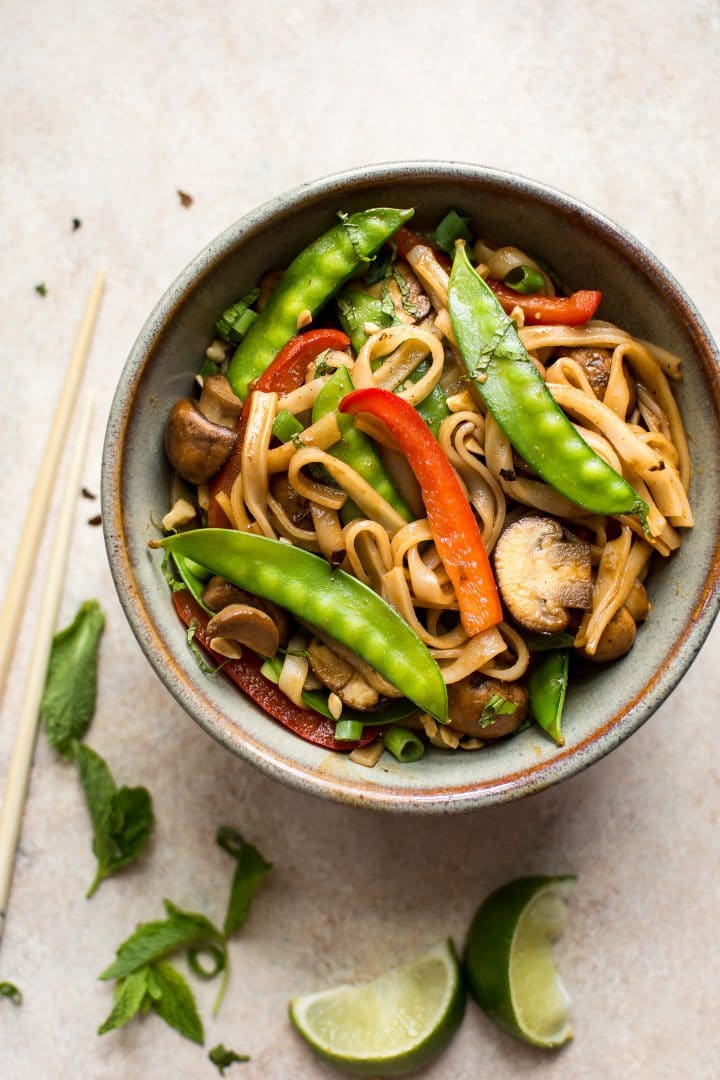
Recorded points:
(207, 669)
(356, 241)
(404, 288)
(76, 223)
(11, 992)
(41, 289)
(380, 266)
(495, 706)
(122, 818)
(249, 873)
(223, 1058)
(453, 227)
(209, 368)
(68, 701)
(185, 199)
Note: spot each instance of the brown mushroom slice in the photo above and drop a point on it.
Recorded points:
(293, 503)
(340, 677)
(410, 297)
(219, 594)
(246, 625)
(218, 403)
(637, 602)
(486, 708)
(365, 671)
(616, 640)
(197, 448)
(540, 574)
(596, 365)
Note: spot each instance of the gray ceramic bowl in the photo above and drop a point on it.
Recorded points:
(588, 251)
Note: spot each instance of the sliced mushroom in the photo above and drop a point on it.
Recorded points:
(246, 625)
(596, 365)
(196, 446)
(365, 671)
(637, 602)
(617, 638)
(540, 574)
(219, 594)
(340, 677)
(218, 402)
(486, 708)
(293, 503)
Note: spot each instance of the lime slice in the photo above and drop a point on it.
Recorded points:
(390, 1026)
(509, 962)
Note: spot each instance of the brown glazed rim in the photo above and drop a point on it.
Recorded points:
(461, 797)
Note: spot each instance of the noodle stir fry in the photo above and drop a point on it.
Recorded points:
(417, 486)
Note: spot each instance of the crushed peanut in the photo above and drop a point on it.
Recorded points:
(181, 513)
(303, 319)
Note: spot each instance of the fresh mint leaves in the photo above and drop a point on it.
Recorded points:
(155, 940)
(122, 818)
(249, 873)
(495, 706)
(161, 987)
(145, 980)
(222, 1058)
(11, 992)
(68, 702)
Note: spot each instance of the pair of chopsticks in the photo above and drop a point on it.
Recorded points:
(17, 780)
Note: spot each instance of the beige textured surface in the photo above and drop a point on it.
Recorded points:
(105, 116)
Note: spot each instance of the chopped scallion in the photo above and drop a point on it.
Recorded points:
(234, 323)
(348, 730)
(524, 279)
(286, 426)
(403, 744)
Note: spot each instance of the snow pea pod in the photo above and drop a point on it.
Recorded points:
(330, 600)
(311, 279)
(547, 686)
(355, 448)
(514, 392)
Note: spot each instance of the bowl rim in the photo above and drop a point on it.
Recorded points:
(463, 797)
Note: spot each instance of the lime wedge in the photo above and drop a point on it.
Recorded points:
(390, 1026)
(509, 963)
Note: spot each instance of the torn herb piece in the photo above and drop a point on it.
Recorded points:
(68, 701)
(406, 299)
(41, 289)
(249, 873)
(355, 234)
(176, 1002)
(494, 707)
(217, 955)
(222, 1058)
(206, 668)
(122, 819)
(11, 992)
(185, 199)
(155, 940)
(130, 996)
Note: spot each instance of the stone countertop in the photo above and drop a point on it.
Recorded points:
(109, 109)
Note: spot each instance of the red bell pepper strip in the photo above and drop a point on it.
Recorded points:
(457, 537)
(538, 309)
(551, 310)
(284, 374)
(245, 673)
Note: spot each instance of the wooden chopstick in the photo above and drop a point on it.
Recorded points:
(19, 772)
(27, 549)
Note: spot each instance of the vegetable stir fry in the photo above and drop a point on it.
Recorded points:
(418, 487)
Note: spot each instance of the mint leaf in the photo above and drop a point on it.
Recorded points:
(68, 702)
(176, 1003)
(11, 992)
(154, 940)
(249, 873)
(122, 819)
(495, 706)
(131, 997)
(223, 1058)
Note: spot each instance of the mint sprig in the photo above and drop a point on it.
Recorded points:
(68, 701)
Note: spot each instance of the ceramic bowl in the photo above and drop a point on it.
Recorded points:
(604, 707)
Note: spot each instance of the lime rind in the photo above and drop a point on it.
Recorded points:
(390, 1026)
(509, 963)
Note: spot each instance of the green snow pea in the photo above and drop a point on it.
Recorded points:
(547, 686)
(330, 600)
(514, 392)
(355, 448)
(308, 283)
